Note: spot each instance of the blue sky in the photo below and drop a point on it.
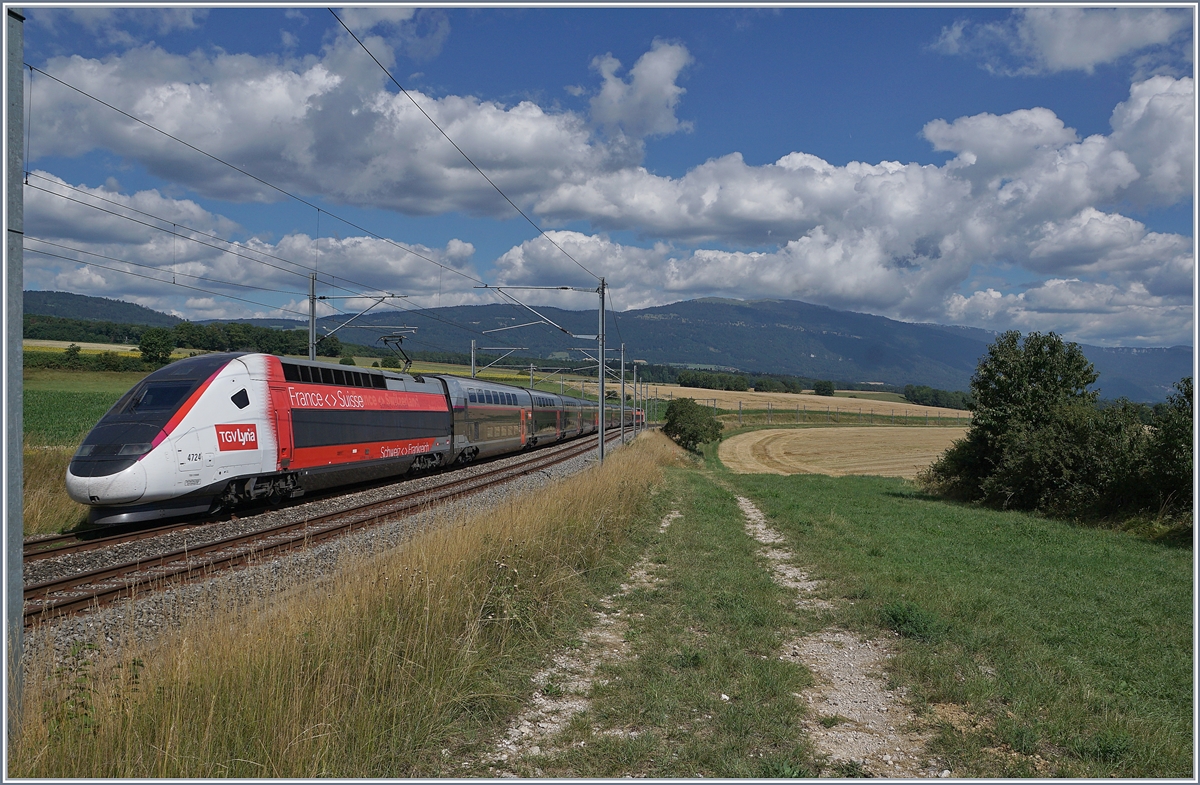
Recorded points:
(1029, 169)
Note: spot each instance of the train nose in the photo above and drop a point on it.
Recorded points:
(123, 487)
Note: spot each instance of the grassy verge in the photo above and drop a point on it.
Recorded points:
(60, 407)
(369, 674)
(702, 692)
(1064, 644)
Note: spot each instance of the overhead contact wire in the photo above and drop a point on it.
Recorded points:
(459, 149)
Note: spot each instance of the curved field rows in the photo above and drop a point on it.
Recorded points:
(881, 450)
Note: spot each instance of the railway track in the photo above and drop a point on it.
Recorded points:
(84, 590)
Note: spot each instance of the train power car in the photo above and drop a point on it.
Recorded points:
(218, 430)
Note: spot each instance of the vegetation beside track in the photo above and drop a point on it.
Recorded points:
(1069, 648)
(371, 673)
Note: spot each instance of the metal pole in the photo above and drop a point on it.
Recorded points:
(531, 376)
(472, 358)
(600, 372)
(312, 316)
(14, 282)
(636, 400)
(622, 393)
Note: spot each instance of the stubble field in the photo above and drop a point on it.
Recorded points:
(884, 451)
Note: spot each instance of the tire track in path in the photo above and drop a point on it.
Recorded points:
(857, 724)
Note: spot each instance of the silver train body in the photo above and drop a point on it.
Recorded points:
(218, 430)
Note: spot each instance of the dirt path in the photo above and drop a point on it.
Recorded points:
(879, 450)
(854, 720)
(565, 686)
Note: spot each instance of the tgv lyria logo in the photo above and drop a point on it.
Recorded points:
(237, 437)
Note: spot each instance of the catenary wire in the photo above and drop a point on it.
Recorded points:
(160, 280)
(152, 267)
(298, 198)
(459, 149)
(252, 176)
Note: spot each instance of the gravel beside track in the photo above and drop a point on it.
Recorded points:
(145, 619)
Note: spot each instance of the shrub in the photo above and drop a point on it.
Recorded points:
(1038, 441)
(346, 361)
(823, 388)
(690, 424)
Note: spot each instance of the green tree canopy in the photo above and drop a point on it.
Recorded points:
(690, 424)
(156, 345)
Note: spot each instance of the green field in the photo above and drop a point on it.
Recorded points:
(1069, 643)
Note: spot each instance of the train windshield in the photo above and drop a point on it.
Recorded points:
(155, 397)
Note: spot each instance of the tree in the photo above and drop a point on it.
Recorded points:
(1169, 453)
(156, 345)
(690, 424)
(1038, 441)
(823, 388)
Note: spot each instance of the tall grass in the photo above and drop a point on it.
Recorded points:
(368, 673)
(47, 508)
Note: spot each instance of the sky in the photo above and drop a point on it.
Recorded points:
(1029, 169)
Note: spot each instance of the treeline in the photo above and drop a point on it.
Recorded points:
(215, 337)
(1039, 441)
(929, 396)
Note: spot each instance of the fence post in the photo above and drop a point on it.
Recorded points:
(739, 412)
(797, 415)
(768, 412)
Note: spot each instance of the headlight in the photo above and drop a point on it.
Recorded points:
(134, 449)
(84, 450)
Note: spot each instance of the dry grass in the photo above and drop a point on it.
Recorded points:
(369, 673)
(785, 404)
(48, 509)
(884, 451)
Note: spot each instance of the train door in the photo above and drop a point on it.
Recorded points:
(281, 419)
(524, 427)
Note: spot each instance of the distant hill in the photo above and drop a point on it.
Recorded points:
(94, 309)
(763, 336)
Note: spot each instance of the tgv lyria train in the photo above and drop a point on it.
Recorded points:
(217, 430)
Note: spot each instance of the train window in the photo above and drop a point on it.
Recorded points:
(471, 394)
(357, 378)
(490, 398)
(339, 376)
(241, 398)
(291, 372)
(323, 375)
(380, 381)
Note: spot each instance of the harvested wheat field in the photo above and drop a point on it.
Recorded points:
(882, 450)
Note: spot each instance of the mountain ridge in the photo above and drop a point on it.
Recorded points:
(763, 336)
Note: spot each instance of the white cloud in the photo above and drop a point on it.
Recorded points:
(169, 257)
(418, 33)
(1023, 189)
(1088, 312)
(1069, 38)
(645, 105)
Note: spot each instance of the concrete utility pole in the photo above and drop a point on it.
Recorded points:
(531, 376)
(312, 316)
(600, 370)
(14, 282)
(472, 358)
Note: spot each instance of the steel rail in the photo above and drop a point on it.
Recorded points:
(78, 592)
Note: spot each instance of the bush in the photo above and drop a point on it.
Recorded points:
(346, 361)
(823, 388)
(1039, 442)
(690, 424)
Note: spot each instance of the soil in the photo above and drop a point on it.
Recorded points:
(879, 450)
